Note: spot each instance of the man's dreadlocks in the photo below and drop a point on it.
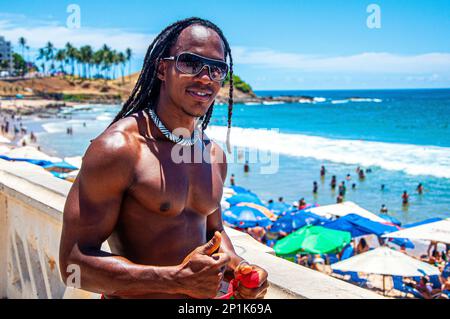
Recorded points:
(146, 90)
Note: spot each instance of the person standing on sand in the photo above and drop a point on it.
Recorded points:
(161, 217)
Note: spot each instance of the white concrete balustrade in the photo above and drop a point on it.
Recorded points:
(31, 205)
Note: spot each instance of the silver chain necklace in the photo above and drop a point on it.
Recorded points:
(169, 135)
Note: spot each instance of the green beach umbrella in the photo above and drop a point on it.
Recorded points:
(314, 240)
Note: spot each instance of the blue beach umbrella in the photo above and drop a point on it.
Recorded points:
(245, 216)
(360, 226)
(391, 219)
(278, 207)
(244, 198)
(240, 189)
(423, 222)
(292, 221)
(345, 225)
(59, 166)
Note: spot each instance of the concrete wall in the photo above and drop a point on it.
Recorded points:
(31, 205)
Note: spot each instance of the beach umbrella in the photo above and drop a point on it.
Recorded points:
(386, 261)
(296, 219)
(423, 222)
(244, 198)
(360, 226)
(74, 161)
(240, 189)
(4, 140)
(313, 240)
(344, 209)
(278, 207)
(391, 219)
(61, 167)
(263, 209)
(245, 216)
(72, 176)
(344, 224)
(30, 153)
(438, 231)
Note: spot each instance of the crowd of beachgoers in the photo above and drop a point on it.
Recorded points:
(278, 224)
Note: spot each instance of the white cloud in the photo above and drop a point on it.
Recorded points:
(367, 62)
(38, 33)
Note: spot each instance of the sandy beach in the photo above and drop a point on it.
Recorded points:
(31, 106)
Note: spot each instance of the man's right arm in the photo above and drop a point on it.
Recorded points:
(90, 215)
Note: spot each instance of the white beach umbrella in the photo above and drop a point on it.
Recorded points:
(438, 231)
(343, 209)
(4, 149)
(386, 261)
(74, 161)
(4, 140)
(29, 152)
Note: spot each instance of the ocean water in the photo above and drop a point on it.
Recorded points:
(402, 135)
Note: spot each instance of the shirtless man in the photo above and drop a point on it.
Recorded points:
(162, 219)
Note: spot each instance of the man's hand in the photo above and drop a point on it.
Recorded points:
(201, 272)
(259, 290)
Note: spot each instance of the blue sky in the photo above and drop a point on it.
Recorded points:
(276, 44)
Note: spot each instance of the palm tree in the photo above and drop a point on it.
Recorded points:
(128, 55)
(71, 55)
(42, 56)
(86, 55)
(61, 58)
(107, 60)
(50, 54)
(23, 43)
(122, 60)
(28, 52)
(97, 60)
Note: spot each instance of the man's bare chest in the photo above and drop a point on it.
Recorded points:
(165, 187)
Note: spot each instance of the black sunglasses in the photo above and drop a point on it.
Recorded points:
(193, 64)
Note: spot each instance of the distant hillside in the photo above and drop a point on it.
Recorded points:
(82, 89)
(242, 90)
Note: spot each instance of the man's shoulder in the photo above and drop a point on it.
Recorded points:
(118, 142)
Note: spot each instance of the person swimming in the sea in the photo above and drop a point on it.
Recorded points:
(322, 171)
(419, 189)
(405, 198)
(333, 182)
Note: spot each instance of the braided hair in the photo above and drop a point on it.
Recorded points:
(146, 90)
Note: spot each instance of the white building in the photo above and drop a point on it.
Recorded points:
(6, 57)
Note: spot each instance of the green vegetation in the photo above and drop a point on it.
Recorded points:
(84, 61)
(19, 63)
(85, 97)
(239, 84)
